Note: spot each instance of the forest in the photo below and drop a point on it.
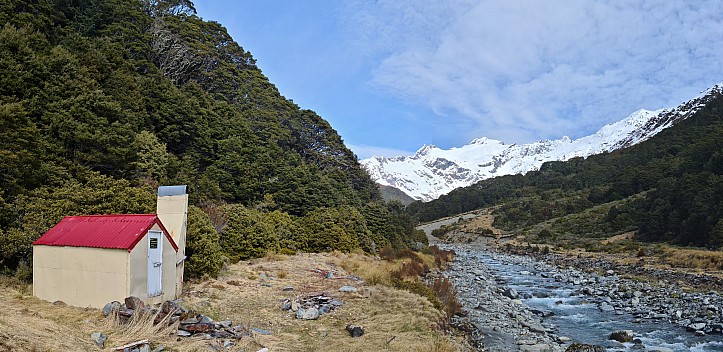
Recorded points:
(666, 189)
(102, 101)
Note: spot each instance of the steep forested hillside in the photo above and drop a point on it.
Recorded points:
(669, 188)
(101, 101)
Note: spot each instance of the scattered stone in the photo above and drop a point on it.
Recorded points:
(261, 331)
(99, 338)
(307, 314)
(111, 307)
(348, 289)
(622, 336)
(355, 330)
(59, 303)
(134, 303)
(534, 327)
(183, 333)
(287, 288)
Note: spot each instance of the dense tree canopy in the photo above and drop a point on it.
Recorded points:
(101, 101)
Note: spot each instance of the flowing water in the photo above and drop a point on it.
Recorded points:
(584, 322)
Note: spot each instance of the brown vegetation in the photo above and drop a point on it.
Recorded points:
(250, 293)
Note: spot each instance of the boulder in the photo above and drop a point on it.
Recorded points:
(134, 303)
(580, 347)
(111, 307)
(696, 326)
(510, 293)
(307, 314)
(622, 336)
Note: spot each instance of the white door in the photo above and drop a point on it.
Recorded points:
(155, 256)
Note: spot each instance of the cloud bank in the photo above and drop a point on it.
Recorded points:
(526, 70)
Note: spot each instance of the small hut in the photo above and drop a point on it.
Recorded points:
(88, 261)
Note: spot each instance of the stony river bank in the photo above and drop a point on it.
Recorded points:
(519, 303)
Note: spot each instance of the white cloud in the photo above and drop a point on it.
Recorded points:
(366, 151)
(524, 70)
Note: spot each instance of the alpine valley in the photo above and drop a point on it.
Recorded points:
(432, 172)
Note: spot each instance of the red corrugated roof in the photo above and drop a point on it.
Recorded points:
(102, 231)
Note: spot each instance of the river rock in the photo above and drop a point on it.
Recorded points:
(580, 347)
(622, 336)
(696, 326)
(510, 293)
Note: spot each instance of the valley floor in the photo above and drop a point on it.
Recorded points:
(251, 294)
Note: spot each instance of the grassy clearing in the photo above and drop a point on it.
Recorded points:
(249, 293)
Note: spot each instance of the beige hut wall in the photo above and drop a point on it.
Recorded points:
(80, 276)
(139, 271)
(173, 212)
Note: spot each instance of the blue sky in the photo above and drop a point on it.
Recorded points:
(392, 75)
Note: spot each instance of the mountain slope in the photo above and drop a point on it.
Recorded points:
(667, 188)
(432, 171)
(103, 100)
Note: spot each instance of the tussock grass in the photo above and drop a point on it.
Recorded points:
(692, 258)
(139, 327)
(394, 319)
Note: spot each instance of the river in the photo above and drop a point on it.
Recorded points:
(554, 301)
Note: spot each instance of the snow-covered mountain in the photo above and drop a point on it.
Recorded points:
(432, 171)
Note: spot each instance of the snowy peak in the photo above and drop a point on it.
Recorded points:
(432, 172)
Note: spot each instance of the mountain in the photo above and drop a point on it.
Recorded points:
(668, 188)
(432, 172)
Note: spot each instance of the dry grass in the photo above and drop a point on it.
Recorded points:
(692, 258)
(250, 294)
(481, 224)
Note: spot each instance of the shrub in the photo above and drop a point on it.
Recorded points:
(202, 246)
(445, 293)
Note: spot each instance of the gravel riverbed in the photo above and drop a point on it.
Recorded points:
(499, 320)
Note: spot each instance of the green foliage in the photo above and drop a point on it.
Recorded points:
(335, 229)
(101, 101)
(202, 246)
(42, 208)
(247, 234)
